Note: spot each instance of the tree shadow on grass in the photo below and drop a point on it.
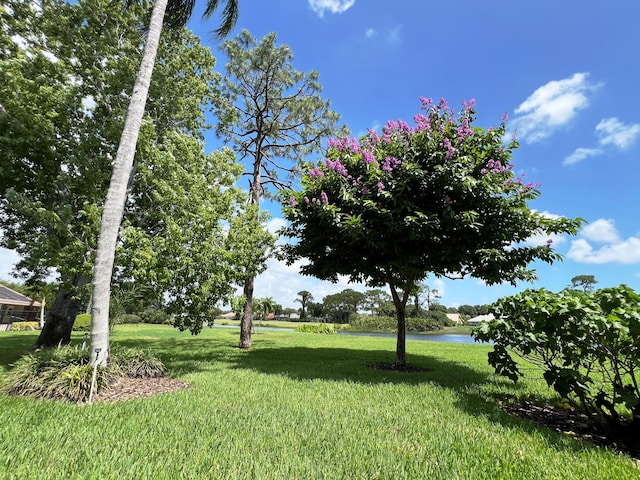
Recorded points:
(479, 394)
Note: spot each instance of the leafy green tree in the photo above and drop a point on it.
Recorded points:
(305, 298)
(272, 114)
(436, 198)
(586, 282)
(375, 300)
(342, 304)
(66, 67)
(316, 310)
(174, 14)
(422, 293)
(177, 245)
(468, 310)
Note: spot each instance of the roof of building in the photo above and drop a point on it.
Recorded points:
(11, 297)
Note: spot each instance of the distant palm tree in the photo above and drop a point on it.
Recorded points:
(174, 14)
(305, 298)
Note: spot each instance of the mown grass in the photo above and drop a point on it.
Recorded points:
(296, 406)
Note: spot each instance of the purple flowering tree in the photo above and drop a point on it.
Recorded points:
(437, 197)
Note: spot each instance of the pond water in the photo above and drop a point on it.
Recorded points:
(434, 337)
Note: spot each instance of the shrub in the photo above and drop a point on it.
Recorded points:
(129, 318)
(325, 328)
(587, 343)
(431, 320)
(22, 326)
(155, 317)
(82, 323)
(371, 323)
(428, 322)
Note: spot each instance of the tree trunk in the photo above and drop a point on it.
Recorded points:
(401, 342)
(400, 305)
(117, 193)
(60, 317)
(247, 315)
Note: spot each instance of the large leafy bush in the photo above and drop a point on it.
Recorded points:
(587, 343)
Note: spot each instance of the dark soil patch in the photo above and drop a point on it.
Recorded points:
(624, 439)
(398, 368)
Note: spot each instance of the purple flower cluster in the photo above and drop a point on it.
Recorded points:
(494, 166)
(345, 144)
(323, 200)
(464, 130)
(367, 157)
(395, 128)
(426, 102)
(390, 163)
(469, 106)
(316, 172)
(337, 166)
(450, 150)
(422, 122)
(522, 187)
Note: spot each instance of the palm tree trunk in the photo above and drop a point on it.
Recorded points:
(117, 193)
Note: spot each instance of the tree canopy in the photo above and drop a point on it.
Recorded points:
(68, 69)
(439, 197)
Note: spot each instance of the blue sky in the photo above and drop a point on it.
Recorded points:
(566, 72)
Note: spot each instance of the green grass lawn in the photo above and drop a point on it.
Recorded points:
(296, 406)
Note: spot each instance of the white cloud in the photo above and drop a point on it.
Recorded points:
(8, 259)
(393, 35)
(613, 132)
(626, 252)
(602, 231)
(615, 249)
(581, 154)
(543, 239)
(275, 224)
(552, 106)
(333, 6)
(283, 282)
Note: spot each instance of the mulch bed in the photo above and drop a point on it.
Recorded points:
(129, 388)
(577, 425)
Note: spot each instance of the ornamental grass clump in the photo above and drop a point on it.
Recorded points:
(324, 328)
(136, 363)
(65, 373)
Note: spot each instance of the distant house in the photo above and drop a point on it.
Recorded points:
(479, 319)
(15, 307)
(455, 318)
